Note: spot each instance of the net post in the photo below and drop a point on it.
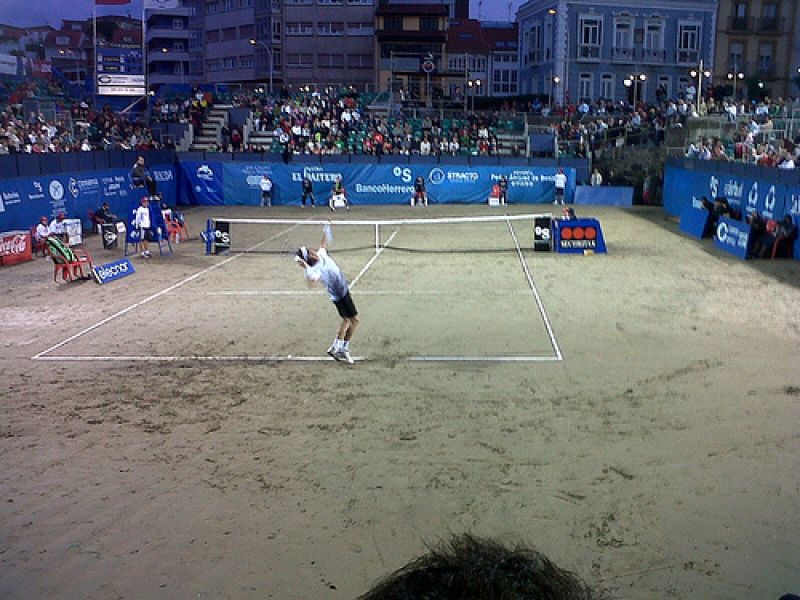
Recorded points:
(377, 237)
(209, 235)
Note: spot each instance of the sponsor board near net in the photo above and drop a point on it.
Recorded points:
(113, 271)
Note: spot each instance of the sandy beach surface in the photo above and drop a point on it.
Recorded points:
(153, 448)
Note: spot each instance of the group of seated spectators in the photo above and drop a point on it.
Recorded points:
(336, 122)
(769, 238)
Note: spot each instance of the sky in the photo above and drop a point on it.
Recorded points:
(22, 13)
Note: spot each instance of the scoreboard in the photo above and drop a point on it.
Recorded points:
(120, 72)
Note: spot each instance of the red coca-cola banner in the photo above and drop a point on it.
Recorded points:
(15, 247)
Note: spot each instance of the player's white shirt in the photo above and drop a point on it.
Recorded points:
(142, 218)
(327, 272)
(560, 180)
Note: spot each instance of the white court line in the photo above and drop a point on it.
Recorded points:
(167, 290)
(155, 359)
(373, 259)
(536, 295)
(288, 359)
(319, 292)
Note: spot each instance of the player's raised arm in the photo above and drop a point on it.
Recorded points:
(327, 236)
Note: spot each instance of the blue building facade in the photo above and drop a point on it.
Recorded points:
(619, 50)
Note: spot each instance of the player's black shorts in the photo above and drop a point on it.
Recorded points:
(346, 307)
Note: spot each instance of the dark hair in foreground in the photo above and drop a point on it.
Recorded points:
(472, 568)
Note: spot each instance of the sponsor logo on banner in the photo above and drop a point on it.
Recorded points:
(38, 193)
(522, 178)
(86, 186)
(578, 237)
(10, 198)
(114, 185)
(113, 270)
(14, 244)
(316, 175)
(437, 176)
(752, 197)
(56, 190)
(205, 173)
(794, 204)
(163, 175)
(769, 201)
(468, 177)
(2, 204)
(731, 235)
(713, 186)
(735, 191)
(403, 173)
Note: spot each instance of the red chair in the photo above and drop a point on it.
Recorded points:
(39, 245)
(71, 270)
(177, 232)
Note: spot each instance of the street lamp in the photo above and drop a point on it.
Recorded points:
(254, 42)
(700, 73)
(733, 76)
(555, 81)
(633, 80)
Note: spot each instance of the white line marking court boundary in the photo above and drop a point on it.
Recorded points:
(46, 355)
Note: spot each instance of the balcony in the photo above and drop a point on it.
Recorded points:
(623, 55)
(687, 57)
(167, 33)
(652, 55)
(741, 24)
(769, 26)
(588, 53)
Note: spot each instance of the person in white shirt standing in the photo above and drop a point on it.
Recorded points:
(266, 191)
(141, 222)
(560, 181)
(321, 269)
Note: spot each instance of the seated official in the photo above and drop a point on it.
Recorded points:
(777, 239)
(104, 216)
(42, 230)
(338, 193)
(58, 228)
(138, 173)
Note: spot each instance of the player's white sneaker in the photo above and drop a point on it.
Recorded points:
(345, 356)
(333, 353)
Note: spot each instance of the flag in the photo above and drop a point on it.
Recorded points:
(160, 4)
(111, 2)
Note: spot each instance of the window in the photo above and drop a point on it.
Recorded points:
(365, 29)
(229, 33)
(683, 83)
(246, 32)
(654, 41)
(364, 2)
(276, 31)
(393, 23)
(535, 50)
(228, 63)
(665, 83)
(299, 61)
(288, 2)
(736, 56)
(178, 24)
(246, 62)
(623, 39)
(178, 46)
(740, 9)
(590, 32)
(765, 52)
(607, 86)
(212, 36)
(739, 20)
(331, 61)
(212, 64)
(299, 29)
(688, 43)
(330, 28)
(360, 61)
(769, 17)
(585, 85)
(547, 40)
(323, 2)
(428, 24)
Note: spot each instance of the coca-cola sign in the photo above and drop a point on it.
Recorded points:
(15, 246)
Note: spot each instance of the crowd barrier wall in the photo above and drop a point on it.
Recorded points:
(24, 200)
(74, 183)
(210, 182)
(771, 192)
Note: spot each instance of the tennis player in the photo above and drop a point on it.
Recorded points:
(322, 269)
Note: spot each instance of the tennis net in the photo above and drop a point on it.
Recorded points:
(495, 233)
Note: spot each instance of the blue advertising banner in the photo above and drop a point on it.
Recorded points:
(240, 183)
(578, 236)
(694, 221)
(604, 195)
(683, 187)
(113, 271)
(732, 236)
(201, 182)
(23, 200)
